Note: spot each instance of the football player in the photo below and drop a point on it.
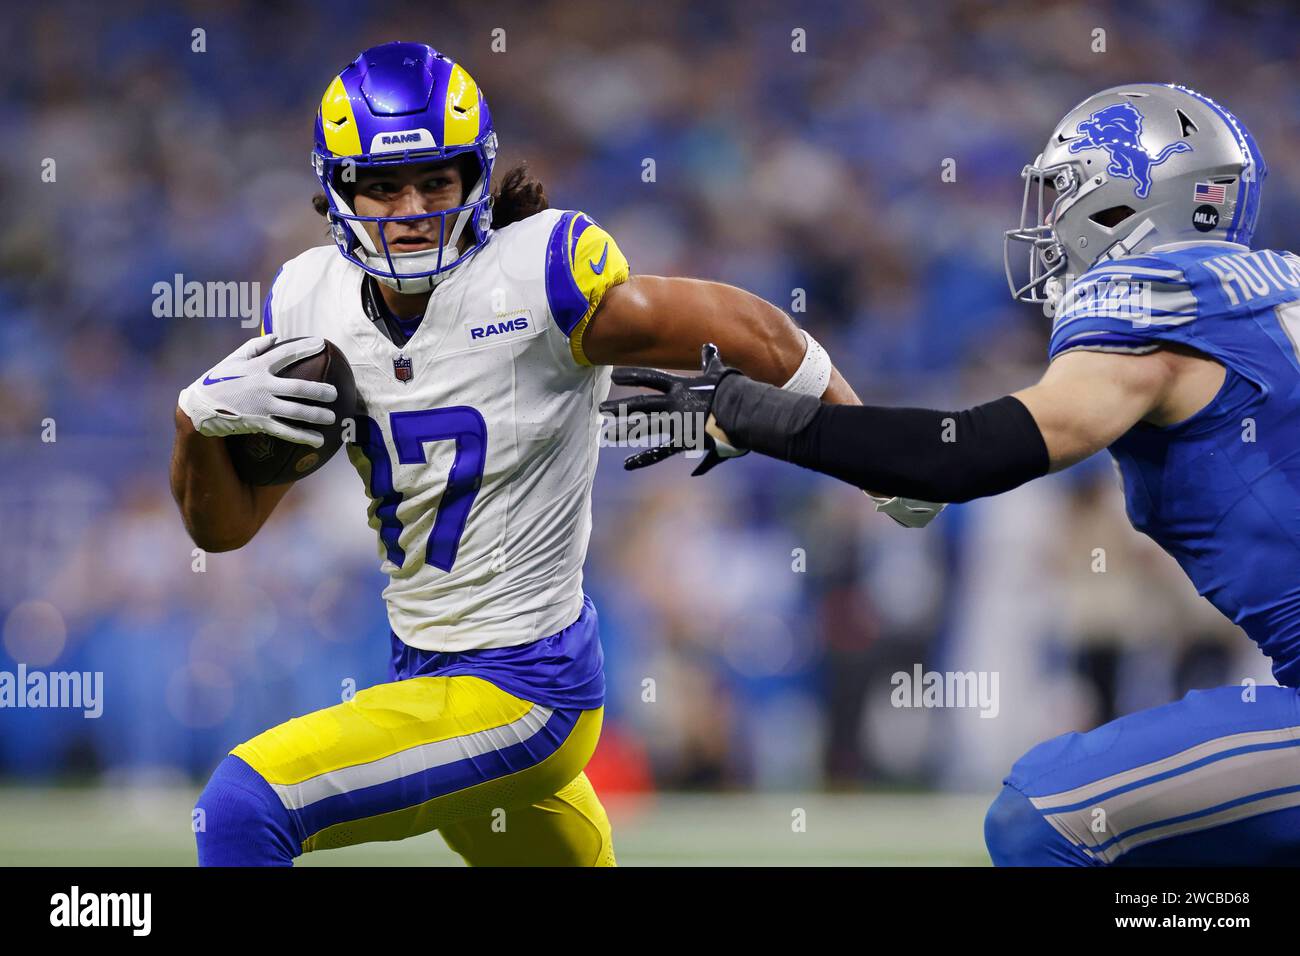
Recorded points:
(1175, 346)
(479, 327)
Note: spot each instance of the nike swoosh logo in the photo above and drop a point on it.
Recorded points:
(214, 381)
(599, 267)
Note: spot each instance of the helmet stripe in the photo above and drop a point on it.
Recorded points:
(1253, 170)
(461, 120)
(1258, 170)
(338, 122)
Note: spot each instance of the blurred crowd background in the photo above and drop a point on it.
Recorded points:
(769, 607)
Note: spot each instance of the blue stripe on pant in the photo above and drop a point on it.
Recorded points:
(437, 781)
(1211, 779)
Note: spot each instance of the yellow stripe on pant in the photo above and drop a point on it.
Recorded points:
(411, 756)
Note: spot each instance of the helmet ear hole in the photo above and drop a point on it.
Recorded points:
(1112, 217)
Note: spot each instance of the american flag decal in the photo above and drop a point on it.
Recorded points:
(1209, 192)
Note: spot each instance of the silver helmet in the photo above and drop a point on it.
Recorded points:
(1127, 169)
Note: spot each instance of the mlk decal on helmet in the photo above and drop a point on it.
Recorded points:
(1127, 169)
(403, 103)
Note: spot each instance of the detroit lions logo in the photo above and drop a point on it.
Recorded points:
(1118, 130)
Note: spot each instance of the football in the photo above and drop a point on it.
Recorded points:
(265, 460)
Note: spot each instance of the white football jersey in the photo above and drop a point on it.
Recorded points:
(477, 439)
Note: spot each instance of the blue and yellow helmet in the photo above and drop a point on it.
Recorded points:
(404, 103)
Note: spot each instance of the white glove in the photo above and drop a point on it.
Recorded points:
(909, 512)
(241, 393)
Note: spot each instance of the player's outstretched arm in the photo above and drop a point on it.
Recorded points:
(663, 322)
(1084, 402)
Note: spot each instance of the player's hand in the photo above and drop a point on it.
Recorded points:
(687, 398)
(243, 394)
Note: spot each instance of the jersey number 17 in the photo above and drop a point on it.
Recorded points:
(411, 431)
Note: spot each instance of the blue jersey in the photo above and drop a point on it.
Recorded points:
(1219, 491)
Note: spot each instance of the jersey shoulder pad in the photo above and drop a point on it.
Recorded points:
(520, 237)
(292, 284)
(583, 262)
(1124, 305)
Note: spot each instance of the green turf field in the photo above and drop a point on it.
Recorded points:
(151, 827)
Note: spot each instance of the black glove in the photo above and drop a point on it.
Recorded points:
(683, 396)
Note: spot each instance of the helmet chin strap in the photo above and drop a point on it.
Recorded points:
(1055, 287)
(414, 284)
(1129, 244)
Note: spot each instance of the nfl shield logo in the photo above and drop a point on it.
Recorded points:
(402, 369)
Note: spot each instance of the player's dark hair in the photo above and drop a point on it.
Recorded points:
(518, 195)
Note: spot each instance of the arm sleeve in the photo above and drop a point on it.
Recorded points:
(910, 452)
(583, 262)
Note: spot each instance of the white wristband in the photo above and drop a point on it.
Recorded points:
(814, 372)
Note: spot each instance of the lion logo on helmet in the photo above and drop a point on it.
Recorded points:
(1118, 130)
